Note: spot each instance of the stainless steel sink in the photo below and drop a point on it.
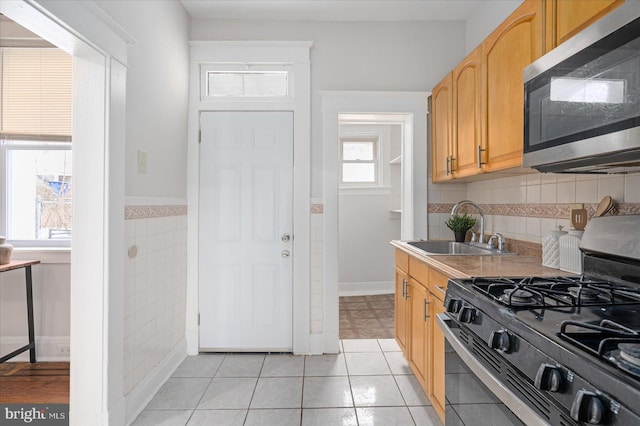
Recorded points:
(452, 248)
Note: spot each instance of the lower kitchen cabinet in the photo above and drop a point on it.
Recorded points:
(402, 310)
(419, 298)
(418, 358)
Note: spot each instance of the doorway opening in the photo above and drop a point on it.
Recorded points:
(369, 216)
(407, 109)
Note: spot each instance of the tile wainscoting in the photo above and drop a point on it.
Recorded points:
(155, 286)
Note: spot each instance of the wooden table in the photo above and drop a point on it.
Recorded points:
(26, 264)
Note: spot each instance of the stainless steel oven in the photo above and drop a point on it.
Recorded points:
(564, 350)
(582, 100)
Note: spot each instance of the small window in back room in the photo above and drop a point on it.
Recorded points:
(35, 146)
(359, 162)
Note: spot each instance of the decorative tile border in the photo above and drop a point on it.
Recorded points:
(317, 208)
(558, 211)
(145, 212)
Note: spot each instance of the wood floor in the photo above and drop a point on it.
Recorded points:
(38, 383)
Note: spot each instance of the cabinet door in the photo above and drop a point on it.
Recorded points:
(401, 310)
(436, 390)
(441, 123)
(566, 18)
(419, 345)
(512, 46)
(466, 115)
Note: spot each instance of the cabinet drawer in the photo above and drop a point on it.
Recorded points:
(437, 283)
(402, 260)
(419, 271)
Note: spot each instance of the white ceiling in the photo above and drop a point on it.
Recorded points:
(335, 10)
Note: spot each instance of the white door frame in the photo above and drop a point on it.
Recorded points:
(99, 48)
(414, 179)
(295, 54)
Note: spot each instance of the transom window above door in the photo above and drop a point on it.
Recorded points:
(245, 81)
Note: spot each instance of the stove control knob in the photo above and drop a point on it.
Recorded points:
(500, 340)
(587, 407)
(548, 378)
(466, 314)
(453, 305)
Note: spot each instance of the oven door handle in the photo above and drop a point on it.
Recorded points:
(515, 404)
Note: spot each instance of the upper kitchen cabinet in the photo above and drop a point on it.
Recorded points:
(441, 129)
(466, 116)
(455, 108)
(565, 18)
(516, 43)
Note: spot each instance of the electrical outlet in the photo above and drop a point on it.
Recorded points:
(142, 162)
(64, 349)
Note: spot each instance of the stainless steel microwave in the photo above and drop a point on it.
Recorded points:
(582, 100)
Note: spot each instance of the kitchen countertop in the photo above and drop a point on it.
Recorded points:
(467, 266)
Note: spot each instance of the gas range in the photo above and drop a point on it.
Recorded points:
(567, 347)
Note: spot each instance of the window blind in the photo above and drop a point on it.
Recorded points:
(36, 86)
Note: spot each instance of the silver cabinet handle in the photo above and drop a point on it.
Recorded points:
(480, 162)
(285, 237)
(448, 165)
(404, 288)
(285, 253)
(424, 309)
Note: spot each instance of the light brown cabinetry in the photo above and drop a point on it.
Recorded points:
(441, 129)
(419, 336)
(516, 43)
(482, 100)
(402, 297)
(566, 18)
(466, 115)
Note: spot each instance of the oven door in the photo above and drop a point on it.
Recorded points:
(474, 395)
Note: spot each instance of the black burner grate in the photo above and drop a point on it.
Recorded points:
(541, 292)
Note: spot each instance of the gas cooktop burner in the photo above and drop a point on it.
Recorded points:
(517, 297)
(584, 294)
(608, 340)
(630, 353)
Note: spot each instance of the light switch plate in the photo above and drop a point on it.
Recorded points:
(142, 162)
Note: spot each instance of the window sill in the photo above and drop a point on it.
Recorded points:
(373, 190)
(43, 254)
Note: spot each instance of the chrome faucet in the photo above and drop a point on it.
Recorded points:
(463, 202)
(499, 238)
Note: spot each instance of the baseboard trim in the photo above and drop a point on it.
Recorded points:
(143, 392)
(366, 288)
(48, 348)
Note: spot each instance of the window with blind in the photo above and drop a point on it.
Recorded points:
(35, 151)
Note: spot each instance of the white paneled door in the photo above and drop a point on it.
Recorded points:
(245, 223)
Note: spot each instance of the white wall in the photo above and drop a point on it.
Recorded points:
(157, 94)
(408, 56)
(486, 19)
(51, 311)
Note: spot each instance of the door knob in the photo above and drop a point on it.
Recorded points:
(285, 237)
(285, 253)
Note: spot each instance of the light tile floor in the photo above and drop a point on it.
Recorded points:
(369, 383)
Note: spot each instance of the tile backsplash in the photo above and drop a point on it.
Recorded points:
(527, 207)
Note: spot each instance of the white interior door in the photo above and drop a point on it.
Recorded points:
(245, 222)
